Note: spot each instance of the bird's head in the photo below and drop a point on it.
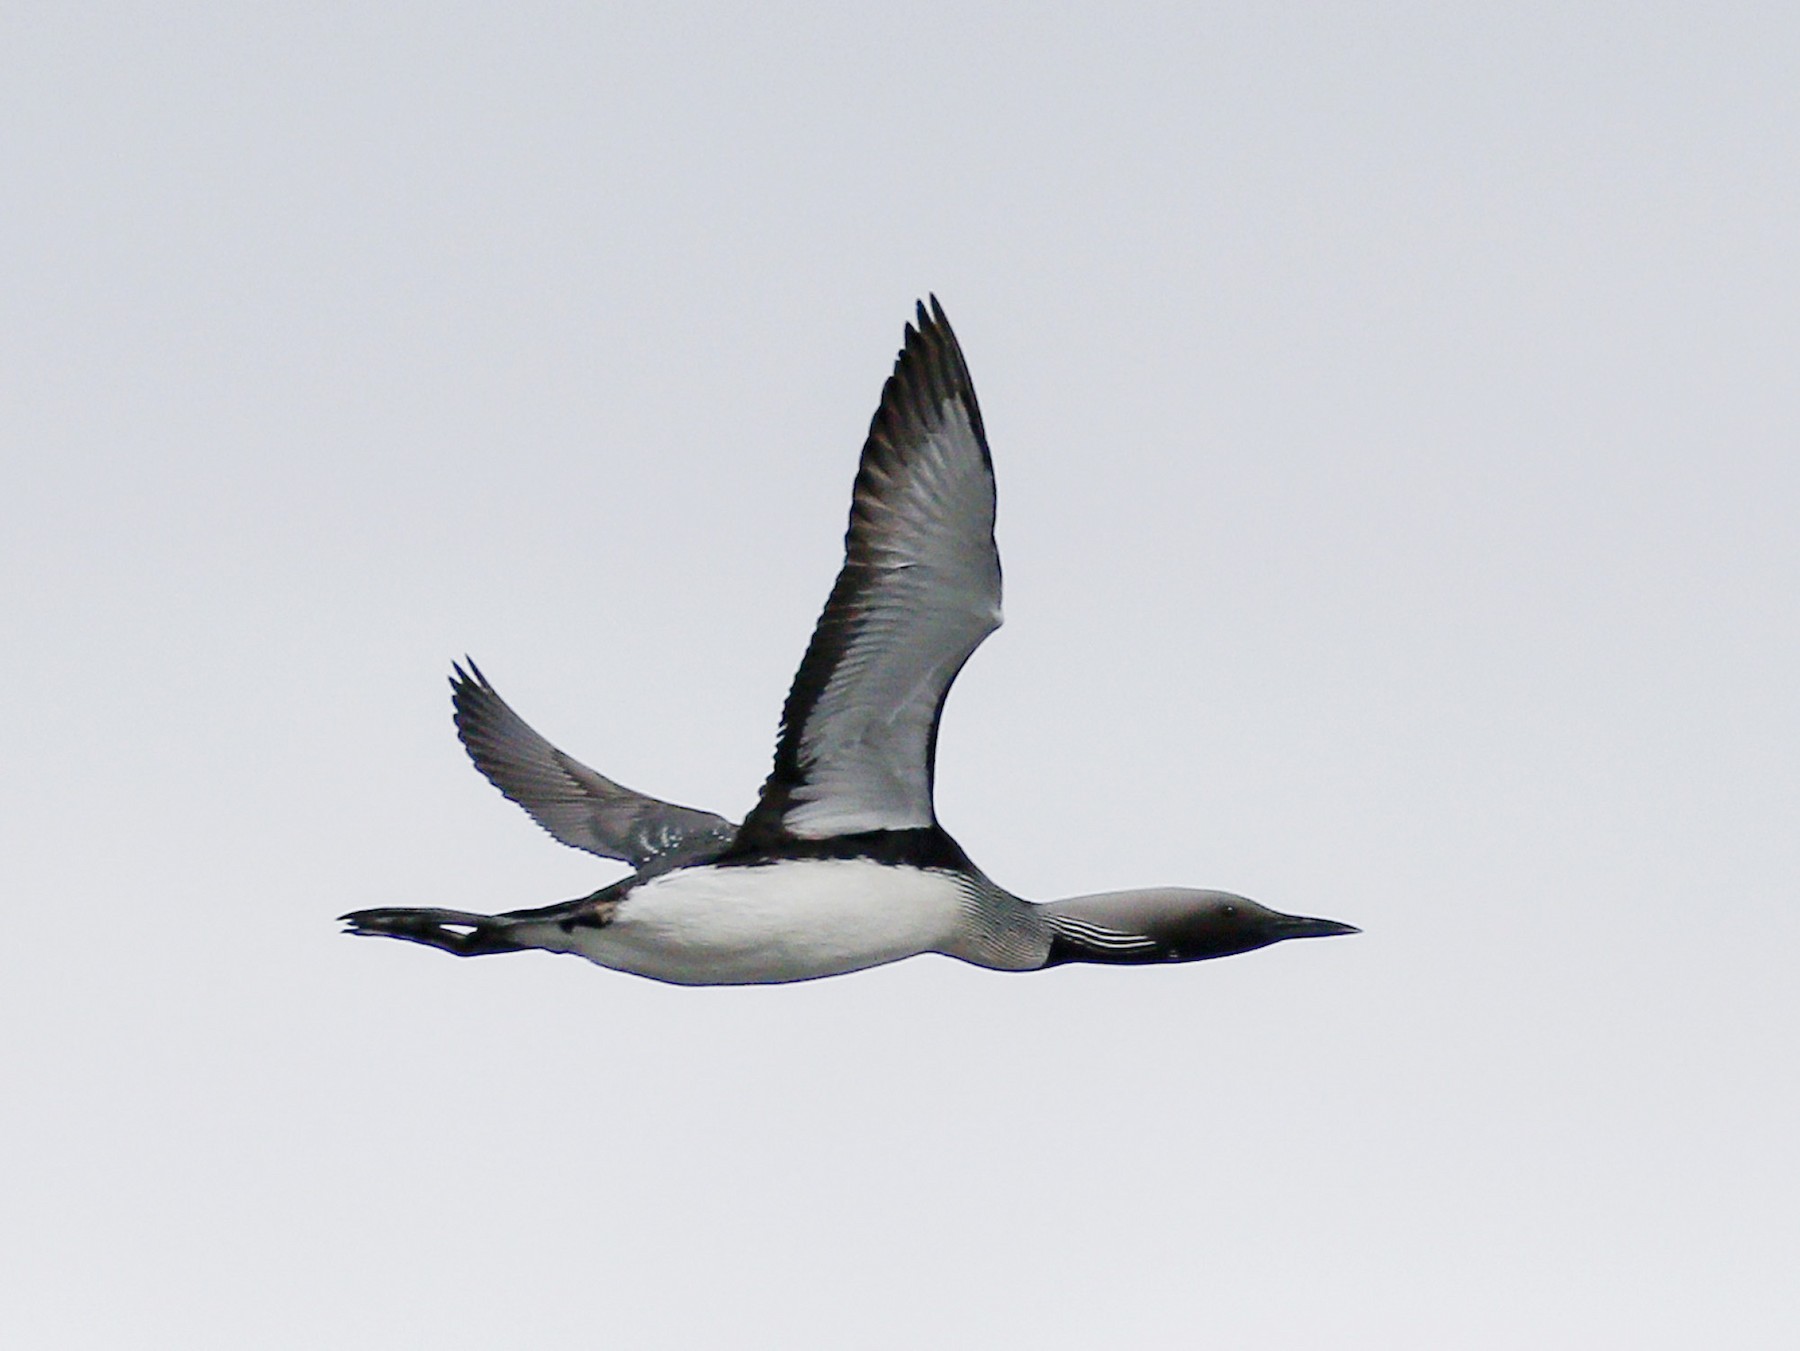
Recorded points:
(1171, 924)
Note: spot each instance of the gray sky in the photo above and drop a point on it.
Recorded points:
(1395, 417)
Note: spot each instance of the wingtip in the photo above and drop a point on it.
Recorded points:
(929, 319)
(465, 674)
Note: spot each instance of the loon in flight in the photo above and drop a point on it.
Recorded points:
(842, 864)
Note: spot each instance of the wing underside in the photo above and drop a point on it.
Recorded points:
(919, 591)
(579, 807)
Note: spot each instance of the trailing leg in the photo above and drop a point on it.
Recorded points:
(454, 931)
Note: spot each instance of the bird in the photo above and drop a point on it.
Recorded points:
(841, 865)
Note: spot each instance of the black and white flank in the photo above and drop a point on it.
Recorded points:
(841, 864)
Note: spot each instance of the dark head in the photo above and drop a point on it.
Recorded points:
(1171, 924)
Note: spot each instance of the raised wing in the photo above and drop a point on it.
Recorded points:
(919, 590)
(580, 808)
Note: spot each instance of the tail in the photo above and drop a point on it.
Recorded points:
(454, 931)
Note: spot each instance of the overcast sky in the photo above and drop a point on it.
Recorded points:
(1396, 422)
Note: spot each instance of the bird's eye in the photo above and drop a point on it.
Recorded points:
(1230, 912)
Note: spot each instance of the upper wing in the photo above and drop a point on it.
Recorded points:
(577, 806)
(919, 590)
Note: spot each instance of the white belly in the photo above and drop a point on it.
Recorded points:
(776, 922)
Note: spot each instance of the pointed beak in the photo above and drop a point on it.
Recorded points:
(1299, 926)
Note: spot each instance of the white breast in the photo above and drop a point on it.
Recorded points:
(776, 922)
